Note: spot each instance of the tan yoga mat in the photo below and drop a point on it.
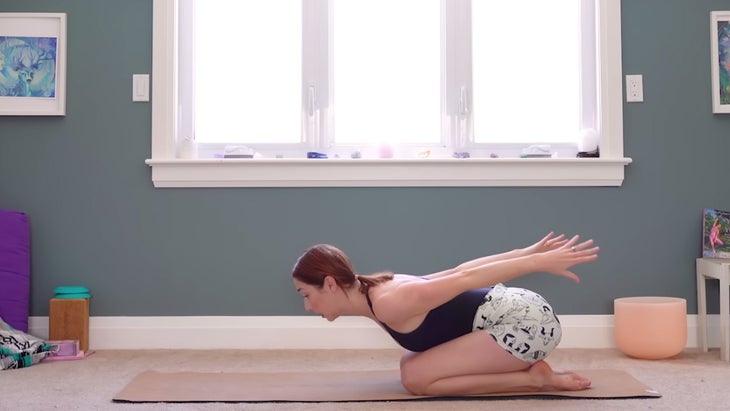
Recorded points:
(331, 386)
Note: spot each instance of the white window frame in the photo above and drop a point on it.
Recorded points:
(170, 171)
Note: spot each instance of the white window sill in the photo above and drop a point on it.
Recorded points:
(448, 172)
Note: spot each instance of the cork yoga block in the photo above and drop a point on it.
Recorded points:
(650, 328)
(68, 319)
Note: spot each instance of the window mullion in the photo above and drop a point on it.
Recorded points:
(610, 94)
(185, 107)
(456, 74)
(316, 90)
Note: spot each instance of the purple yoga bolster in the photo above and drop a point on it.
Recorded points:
(14, 268)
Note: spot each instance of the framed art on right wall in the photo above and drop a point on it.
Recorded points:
(715, 233)
(720, 60)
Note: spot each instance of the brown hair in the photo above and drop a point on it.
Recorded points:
(324, 260)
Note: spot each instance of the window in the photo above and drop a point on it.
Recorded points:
(246, 82)
(442, 90)
(378, 72)
(537, 55)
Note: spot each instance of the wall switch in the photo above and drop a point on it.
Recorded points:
(140, 87)
(634, 88)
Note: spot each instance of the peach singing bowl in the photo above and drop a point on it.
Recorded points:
(650, 328)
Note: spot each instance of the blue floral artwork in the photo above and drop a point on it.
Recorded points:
(28, 66)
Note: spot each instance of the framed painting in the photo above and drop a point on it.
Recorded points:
(715, 233)
(32, 64)
(720, 60)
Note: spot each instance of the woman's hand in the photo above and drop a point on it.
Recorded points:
(548, 243)
(558, 260)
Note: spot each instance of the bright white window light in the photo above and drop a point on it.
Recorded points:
(386, 74)
(526, 71)
(386, 71)
(247, 71)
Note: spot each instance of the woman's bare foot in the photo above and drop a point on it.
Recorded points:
(551, 380)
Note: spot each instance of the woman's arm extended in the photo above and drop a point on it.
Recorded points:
(417, 297)
(557, 262)
(547, 243)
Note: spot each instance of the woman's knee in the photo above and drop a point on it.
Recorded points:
(413, 380)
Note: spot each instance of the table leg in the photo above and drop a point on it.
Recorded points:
(701, 311)
(724, 318)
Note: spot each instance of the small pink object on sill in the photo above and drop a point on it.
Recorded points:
(385, 151)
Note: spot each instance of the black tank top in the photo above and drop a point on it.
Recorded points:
(444, 323)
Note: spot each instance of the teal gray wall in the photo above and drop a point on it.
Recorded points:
(97, 220)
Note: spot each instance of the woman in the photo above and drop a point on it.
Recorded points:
(465, 332)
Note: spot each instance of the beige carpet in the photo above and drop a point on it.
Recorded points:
(692, 380)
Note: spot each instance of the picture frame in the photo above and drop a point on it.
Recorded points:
(33, 64)
(715, 233)
(720, 60)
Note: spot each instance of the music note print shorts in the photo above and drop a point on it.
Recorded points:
(520, 321)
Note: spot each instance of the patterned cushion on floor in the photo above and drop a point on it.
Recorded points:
(19, 349)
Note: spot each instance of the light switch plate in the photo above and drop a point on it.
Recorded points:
(140, 87)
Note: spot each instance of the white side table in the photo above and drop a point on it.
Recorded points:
(715, 269)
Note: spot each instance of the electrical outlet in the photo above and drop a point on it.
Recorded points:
(634, 88)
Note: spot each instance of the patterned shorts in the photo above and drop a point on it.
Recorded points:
(520, 321)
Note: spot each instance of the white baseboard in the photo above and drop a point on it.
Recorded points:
(303, 332)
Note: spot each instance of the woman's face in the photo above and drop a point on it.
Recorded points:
(319, 300)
